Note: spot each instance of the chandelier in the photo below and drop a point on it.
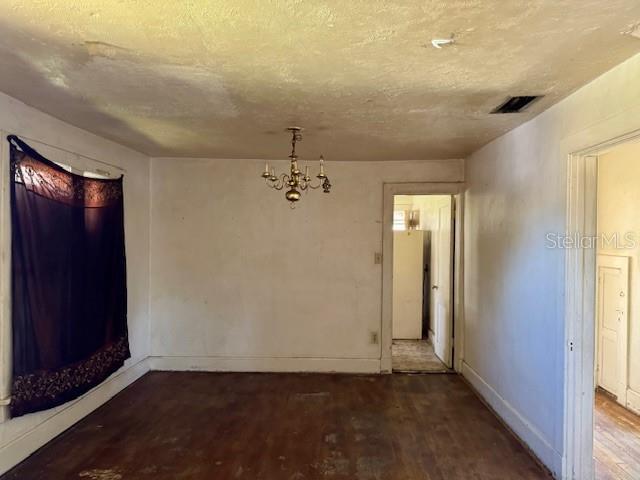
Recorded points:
(295, 180)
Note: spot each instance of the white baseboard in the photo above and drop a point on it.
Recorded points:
(633, 401)
(520, 426)
(265, 364)
(19, 448)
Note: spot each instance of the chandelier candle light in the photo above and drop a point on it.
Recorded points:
(296, 180)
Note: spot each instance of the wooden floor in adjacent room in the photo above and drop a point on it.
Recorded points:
(223, 426)
(415, 356)
(616, 441)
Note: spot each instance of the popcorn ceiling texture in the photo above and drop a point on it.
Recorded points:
(224, 78)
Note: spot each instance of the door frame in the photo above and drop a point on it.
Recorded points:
(580, 313)
(456, 190)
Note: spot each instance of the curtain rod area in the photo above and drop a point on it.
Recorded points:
(72, 153)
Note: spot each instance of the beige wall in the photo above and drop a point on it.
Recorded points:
(515, 286)
(425, 204)
(428, 207)
(241, 281)
(619, 213)
(21, 436)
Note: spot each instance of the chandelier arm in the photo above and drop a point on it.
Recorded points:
(314, 187)
(280, 184)
(270, 183)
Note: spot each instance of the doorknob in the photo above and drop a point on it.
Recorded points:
(435, 287)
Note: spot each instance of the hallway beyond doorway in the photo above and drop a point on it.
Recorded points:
(416, 356)
(422, 281)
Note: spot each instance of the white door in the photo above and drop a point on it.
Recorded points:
(407, 284)
(612, 326)
(441, 279)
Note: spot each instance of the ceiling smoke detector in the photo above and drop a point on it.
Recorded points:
(440, 42)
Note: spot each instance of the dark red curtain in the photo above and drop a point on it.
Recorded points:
(69, 296)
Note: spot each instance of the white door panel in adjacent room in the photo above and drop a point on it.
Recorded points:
(612, 324)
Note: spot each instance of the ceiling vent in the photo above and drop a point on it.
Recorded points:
(516, 104)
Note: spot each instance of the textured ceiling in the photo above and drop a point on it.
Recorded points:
(224, 78)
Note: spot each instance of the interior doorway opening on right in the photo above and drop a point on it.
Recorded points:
(616, 432)
(423, 252)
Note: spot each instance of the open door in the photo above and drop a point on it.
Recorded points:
(441, 279)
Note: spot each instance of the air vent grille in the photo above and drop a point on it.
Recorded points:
(516, 104)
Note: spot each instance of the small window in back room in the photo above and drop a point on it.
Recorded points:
(399, 220)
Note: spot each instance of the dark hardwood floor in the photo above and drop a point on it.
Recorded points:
(286, 427)
(616, 441)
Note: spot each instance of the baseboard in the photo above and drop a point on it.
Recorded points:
(19, 448)
(265, 364)
(633, 401)
(519, 425)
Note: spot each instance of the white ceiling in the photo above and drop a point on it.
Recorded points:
(224, 78)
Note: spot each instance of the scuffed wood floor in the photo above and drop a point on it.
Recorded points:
(616, 441)
(204, 426)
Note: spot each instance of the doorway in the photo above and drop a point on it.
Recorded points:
(422, 318)
(454, 190)
(602, 430)
(616, 433)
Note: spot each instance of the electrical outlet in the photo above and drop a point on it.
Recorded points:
(374, 338)
(377, 258)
